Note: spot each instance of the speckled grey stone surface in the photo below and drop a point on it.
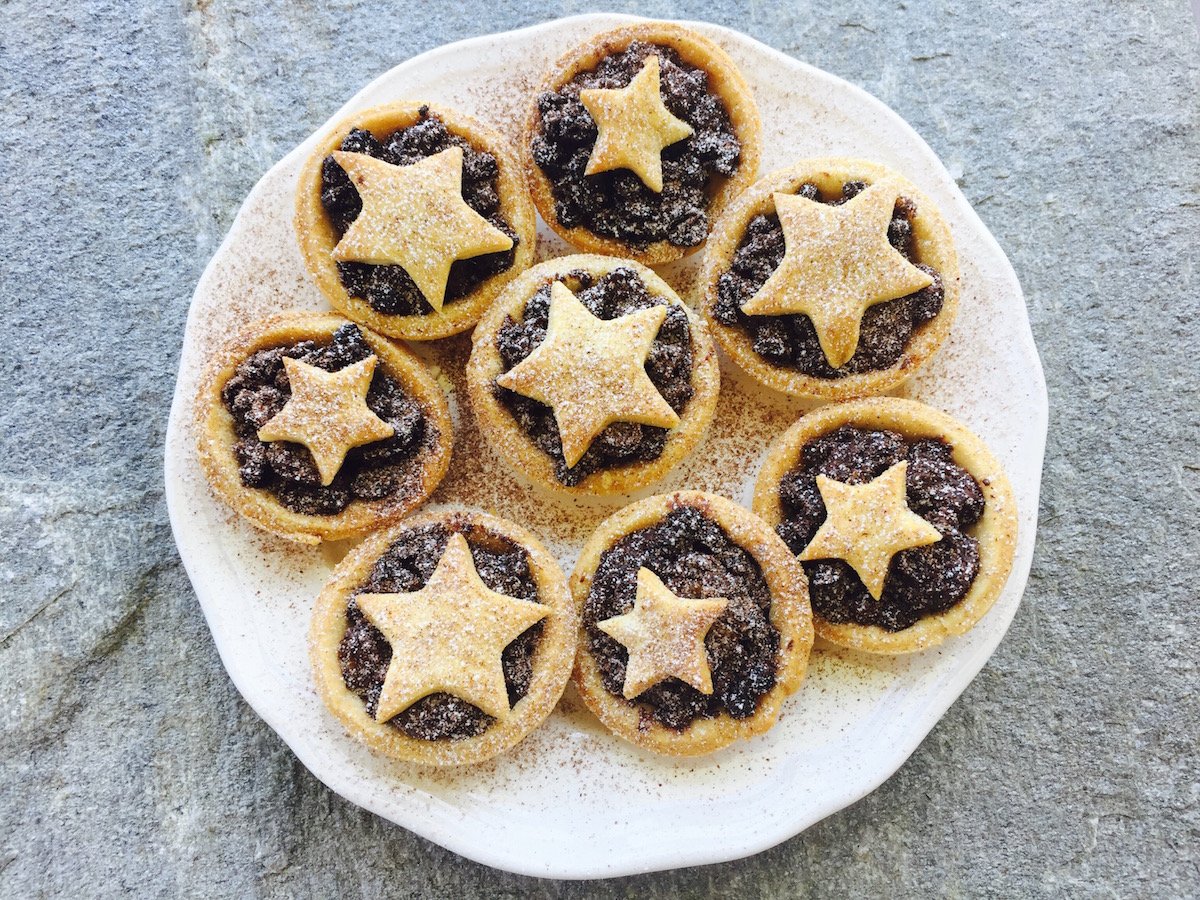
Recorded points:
(129, 134)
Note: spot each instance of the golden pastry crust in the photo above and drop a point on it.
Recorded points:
(317, 237)
(551, 663)
(933, 245)
(724, 80)
(996, 531)
(790, 614)
(502, 430)
(216, 439)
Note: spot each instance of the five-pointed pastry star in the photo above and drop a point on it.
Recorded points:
(592, 372)
(867, 524)
(665, 636)
(448, 636)
(327, 413)
(415, 216)
(837, 262)
(634, 127)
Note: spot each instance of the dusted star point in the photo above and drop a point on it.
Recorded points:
(837, 263)
(665, 636)
(327, 413)
(448, 636)
(867, 524)
(592, 372)
(634, 127)
(415, 217)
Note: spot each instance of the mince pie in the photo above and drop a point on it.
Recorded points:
(903, 520)
(637, 141)
(591, 376)
(412, 218)
(445, 639)
(834, 278)
(314, 428)
(694, 623)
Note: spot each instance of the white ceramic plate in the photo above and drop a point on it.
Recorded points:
(571, 801)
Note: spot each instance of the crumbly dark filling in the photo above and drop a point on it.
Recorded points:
(921, 582)
(791, 340)
(259, 389)
(617, 204)
(364, 653)
(389, 289)
(695, 558)
(669, 365)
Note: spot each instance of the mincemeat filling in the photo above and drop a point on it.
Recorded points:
(259, 389)
(389, 289)
(921, 581)
(617, 204)
(695, 558)
(364, 653)
(791, 341)
(669, 366)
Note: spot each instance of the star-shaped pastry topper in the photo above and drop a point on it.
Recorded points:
(634, 127)
(867, 524)
(665, 636)
(327, 413)
(415, 217)
(448, 636)
(837, 263)
(592, 372)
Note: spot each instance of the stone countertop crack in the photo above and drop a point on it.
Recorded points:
(41, 609)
